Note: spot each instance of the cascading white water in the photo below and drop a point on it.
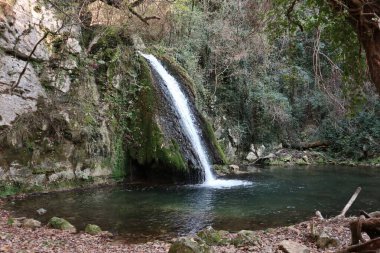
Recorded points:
(187, 119)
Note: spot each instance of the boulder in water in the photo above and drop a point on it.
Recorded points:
(251, 157)
(62, 224)
(190, 245)
(234, 168)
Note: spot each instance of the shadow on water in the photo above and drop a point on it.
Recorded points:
(277, 197)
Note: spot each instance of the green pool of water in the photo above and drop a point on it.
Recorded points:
(277, 197)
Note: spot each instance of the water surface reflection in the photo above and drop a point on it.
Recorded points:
(277, 197)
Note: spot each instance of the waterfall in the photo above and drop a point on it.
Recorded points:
(182, 107)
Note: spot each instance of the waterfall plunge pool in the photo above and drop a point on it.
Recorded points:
(276, 197)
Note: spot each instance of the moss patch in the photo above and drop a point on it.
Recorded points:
(9, 189)
(179, 73)
(148, 146)
(210, 136)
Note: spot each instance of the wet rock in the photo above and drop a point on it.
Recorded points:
(138, 43)
(325, 241)
(287, 158)
(221, 170)
(190, 245)
(31, 223)
(251, 157)
(62, 224)
(260, 150)
(289, 246)
(230, 151)
(269, 156)
(306, 159)
(245, 238)
(92, 229)
(213, 237)
(234, 137)
(41, 211)
(300, 161)
(234, 168)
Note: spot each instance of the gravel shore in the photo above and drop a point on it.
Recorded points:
(44, 239)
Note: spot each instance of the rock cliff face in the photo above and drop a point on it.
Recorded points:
(54, 126)
(77, 107)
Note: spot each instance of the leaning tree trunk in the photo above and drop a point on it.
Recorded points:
(364, 16)
(371, 45)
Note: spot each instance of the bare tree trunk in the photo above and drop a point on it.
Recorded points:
(369, 246)
(371, 45)
(364, 17)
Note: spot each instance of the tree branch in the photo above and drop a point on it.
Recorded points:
(14, 85)
(118, 4)
(27, 62)
(289, 15)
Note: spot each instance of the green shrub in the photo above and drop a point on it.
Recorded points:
(349, 136)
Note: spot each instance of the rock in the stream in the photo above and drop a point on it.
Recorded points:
(31, 223)
(260, 150)
(234, 168)
(325, 241)
(251, 157)
(190, 245)
(288, 246)
(92, 229)
(245, 238)
(41, 211)
(213, 237)
(62, 224)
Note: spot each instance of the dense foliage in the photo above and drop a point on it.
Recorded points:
(279, 72)
(271, 71)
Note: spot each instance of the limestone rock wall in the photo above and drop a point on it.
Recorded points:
(53, 125)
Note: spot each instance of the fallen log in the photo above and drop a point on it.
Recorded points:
(349, 203)
(370, 226)
(369, 246)
(370, 215)
(307, 145)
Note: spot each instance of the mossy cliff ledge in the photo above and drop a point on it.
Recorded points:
(79, 106)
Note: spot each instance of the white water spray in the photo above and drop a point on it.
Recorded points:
(187, 119)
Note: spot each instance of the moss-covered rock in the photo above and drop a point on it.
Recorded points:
(213, 237)
(245, 238)
(214, 145)
(92, 229)
(180, 74)
(190, 245)
(62, 224)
